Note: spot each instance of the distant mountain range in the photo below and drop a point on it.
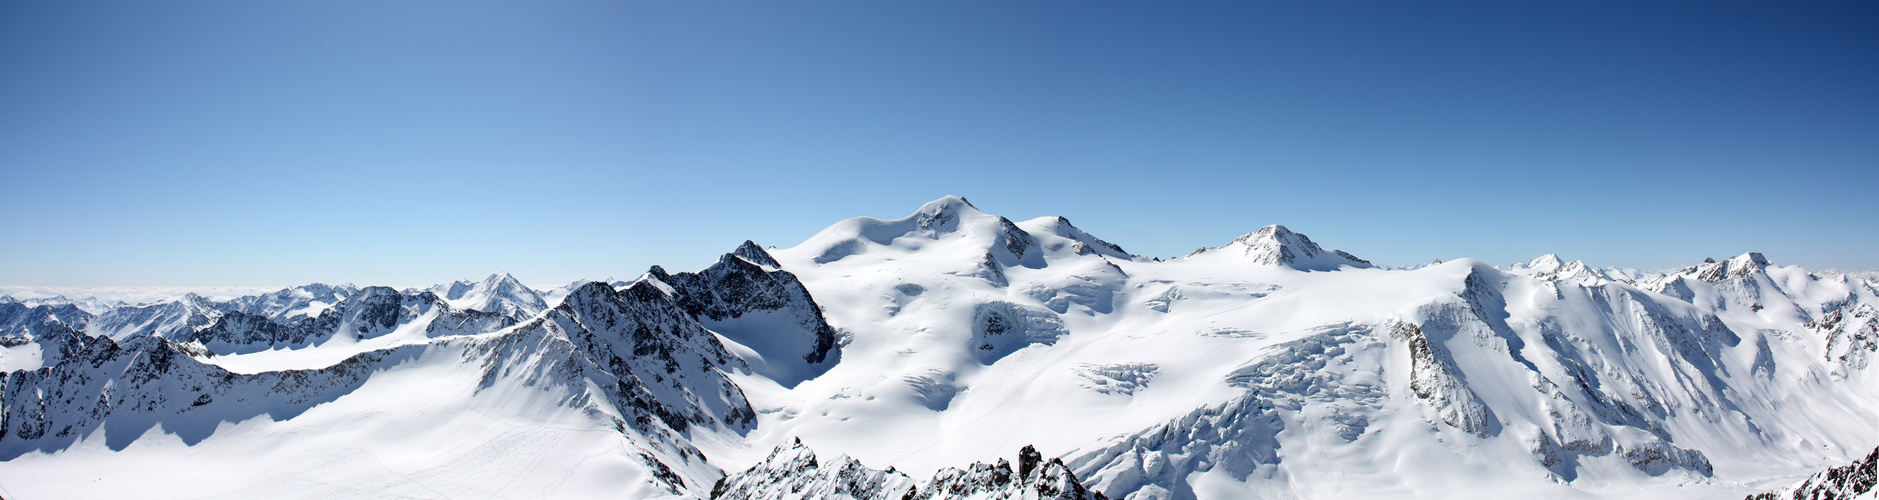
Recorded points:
(921, 352)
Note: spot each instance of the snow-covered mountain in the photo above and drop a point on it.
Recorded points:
(499, 293)
(1266, 367)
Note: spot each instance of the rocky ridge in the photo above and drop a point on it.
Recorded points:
(792, 471)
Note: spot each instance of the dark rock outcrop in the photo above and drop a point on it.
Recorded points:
(747, 297)
(791, 471)
(1842, 482)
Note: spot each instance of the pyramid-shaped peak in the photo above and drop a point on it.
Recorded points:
(1086, 243)
(1275, 234)
(792, 455)
(755, 254)
(1546, 263)
(1277, 246)
(1748, 259)
(502, 281)
(1747, 263)
(1740, 265)
(499, 293)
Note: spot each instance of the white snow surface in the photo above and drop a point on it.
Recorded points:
(500, 293)
(1234, 372)
(416, 430)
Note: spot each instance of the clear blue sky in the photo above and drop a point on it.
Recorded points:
(196, 143)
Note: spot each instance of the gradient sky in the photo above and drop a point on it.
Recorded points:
(199, 143)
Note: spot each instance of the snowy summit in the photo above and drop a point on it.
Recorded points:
(956, 354)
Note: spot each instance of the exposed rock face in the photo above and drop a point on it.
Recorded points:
(791, 472)
(56, 329)
(1844, 482)
(1085, 243)
(1434, 378)
(291, 304)
(1225, 371)
(369, 313)
(1597, 404)
(1275, 245)
(1852, 335)
(657, 372)
(1000, 328)
(128, 387)
(1035, 478)
(747, 297)
(189, 313)
(22, 322)
(1741, 283)
(660, 358)
(500, 293)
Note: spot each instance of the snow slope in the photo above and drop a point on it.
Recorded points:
(1267, 367)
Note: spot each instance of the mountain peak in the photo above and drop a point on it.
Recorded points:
(948, 203)
(1546, 263)
(500, 293)
(942, 215)
(1277, 246)
(1747, 260)
(502, 281)
(755, 254)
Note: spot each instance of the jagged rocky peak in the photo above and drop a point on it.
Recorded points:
(748, 298)
(1745, 263)
(21, 319)
(502, 294)
(791, 471)
(754, 254)
(1275, 245)
(650, 344)
(1717, 272)
(1851, 481)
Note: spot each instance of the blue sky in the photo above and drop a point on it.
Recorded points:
(208, 143)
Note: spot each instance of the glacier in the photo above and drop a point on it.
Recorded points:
(922, 351)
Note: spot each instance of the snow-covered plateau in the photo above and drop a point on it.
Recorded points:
(958, 354)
